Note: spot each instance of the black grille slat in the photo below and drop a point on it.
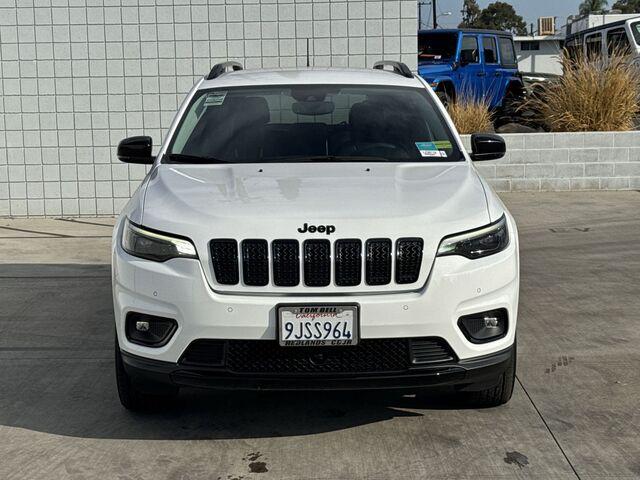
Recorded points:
(317, 263)
(430, 350)
(408, 260)
(378, 261)
(224, 255)
(286, 263)
(348, 262)
(255, 262)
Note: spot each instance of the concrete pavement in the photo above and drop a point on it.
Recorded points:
(575, 412)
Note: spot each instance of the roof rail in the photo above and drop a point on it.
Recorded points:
(220, 68)
(398, 67)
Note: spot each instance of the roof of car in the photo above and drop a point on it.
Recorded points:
(311, 75)
(606, 26)
(502, 33)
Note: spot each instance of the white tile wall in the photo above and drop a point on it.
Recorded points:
(78, 76)
(566, 161)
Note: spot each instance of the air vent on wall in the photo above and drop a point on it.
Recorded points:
(547, 25)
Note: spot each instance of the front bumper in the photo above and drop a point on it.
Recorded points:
(465, 375)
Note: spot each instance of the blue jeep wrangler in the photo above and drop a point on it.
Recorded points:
(477, 63)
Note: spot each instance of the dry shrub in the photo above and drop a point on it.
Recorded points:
(590, 96)
(470, 115)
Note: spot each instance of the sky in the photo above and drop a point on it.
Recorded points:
(530, 10)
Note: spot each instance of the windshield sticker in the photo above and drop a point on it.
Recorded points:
(214, 99)
(443, 145)
(430, 153)
(426, 147)
(432, 149)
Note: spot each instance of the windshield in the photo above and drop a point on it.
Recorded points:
(437, 47)
(635, 28)
(312, 123)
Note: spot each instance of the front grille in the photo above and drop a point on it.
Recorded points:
(267, 357)
(286, 263)
(256, 263)
(408, 260)
(224, 255)
(378, 261)
(317, 263)
(348, 263)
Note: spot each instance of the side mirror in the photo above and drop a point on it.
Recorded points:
(136, 150)
(487, 146)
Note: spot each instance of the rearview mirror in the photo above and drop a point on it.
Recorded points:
(136, 150)
(487, 146)
(312, 108)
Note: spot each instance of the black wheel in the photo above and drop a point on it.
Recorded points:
(444, 97)
(501, 393)
(509, 111)
(136, 399)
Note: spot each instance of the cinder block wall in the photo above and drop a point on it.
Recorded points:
(77, 76)
(566, 161)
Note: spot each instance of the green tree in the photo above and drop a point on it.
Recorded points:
(592, 6)
(501, 16)
(627, 6)
(470, 14)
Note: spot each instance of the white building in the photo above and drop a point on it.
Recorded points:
(540, 53)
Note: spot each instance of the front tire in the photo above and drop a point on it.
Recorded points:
(444, 97)
(133, 397)
(510, 112)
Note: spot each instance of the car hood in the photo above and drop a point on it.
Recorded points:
(274, 201)
(432, 70)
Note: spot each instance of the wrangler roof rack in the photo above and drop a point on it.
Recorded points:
(220, 68)
(398, 67)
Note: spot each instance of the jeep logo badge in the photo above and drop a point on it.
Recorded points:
(328, 229)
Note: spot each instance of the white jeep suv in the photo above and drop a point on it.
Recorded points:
(314, 229)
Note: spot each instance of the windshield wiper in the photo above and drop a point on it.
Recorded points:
(195, 159)
(182, 158)
(325, 158)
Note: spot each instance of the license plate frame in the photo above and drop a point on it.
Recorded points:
(329, 342)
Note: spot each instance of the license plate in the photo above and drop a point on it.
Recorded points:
(317, 325)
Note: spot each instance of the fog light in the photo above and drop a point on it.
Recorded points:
(485, 327)
(149, 330)
(490, 322)
(142, 326)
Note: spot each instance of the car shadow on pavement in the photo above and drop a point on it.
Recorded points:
(82, 402)
(57, 375)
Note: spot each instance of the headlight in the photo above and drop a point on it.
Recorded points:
(477, 243)
(143, 243)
